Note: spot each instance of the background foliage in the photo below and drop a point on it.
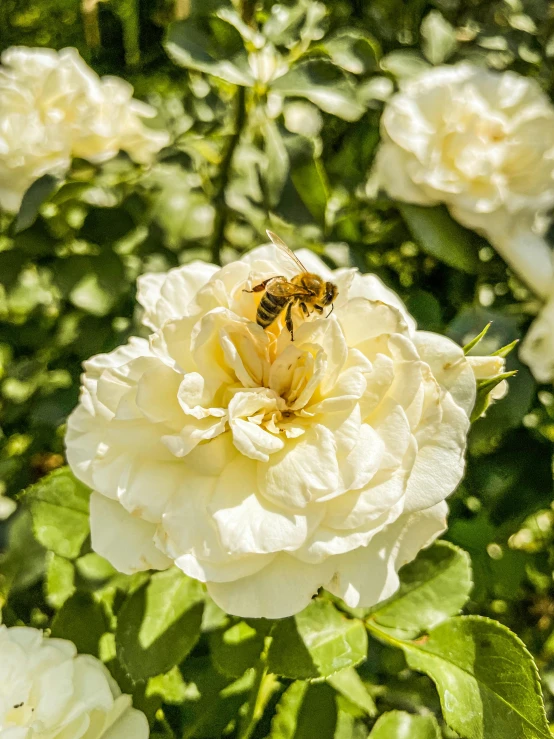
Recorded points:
(274, 113)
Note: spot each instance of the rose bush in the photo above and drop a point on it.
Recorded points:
(48, 691)
(264, 467)
(54, 107)
(481, 142)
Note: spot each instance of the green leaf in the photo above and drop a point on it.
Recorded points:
(284, 720)
(402, 725)
(504, 351)
(404, 63)
(94, 569)
(435, 586)
(426, 310)
(439, 37)
(310, 182)
(97, 290)
(480, 336)
(316, 643)
(60, 577)
(159, 624)
(318, 714)
(305, 711)
(105, 226)
(81, 619)
(349, 684)
(236, 648)
(59, 507)
(439, 235)
(145, 700)
(487, 681)
(484, 389)
(215, 49)
(278, 164)
(35, 196)
(22, 565)
(213, 700)
(324, 84)
(354, 50)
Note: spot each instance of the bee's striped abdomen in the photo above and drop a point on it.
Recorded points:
(269, 308)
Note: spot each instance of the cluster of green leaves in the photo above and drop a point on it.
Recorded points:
(274, 115)
(197, 672)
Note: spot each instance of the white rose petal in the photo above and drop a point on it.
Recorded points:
(47, 690)
(54, 107)
(538, 346)
(268, 468)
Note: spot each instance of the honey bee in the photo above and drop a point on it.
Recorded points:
(306, 289)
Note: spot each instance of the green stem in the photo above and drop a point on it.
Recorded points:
(181, 9)
(91, 27)
(251, 717)
(224, 176)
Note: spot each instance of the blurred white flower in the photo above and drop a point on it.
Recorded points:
(480, 141)
(303, 118)
(54, 107)
(537, 349)
(266, 64)
(48, 691)
(7, 507)
(264, 467)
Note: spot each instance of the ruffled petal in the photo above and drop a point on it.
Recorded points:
(126, 542)
(282, 588)
(368, 575)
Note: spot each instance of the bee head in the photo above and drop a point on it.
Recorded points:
(331, 293)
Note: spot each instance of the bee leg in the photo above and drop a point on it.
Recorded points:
(332, 309)
(288, 321)
(305, 309)
(258, 288)
(318, 308)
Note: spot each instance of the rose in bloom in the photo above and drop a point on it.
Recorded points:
(48, 691)
(54, 107)
(481, 142)
(264, 467)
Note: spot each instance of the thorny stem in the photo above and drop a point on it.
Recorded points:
(224, 175)
(251, 717)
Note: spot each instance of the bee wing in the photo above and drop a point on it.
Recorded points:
(282, 288)
(280, 244)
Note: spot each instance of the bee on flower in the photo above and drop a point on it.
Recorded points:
(264, 466)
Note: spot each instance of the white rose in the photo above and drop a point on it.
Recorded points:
(531, 258)
(54, 107)
(268, 468)
(481, 142)
(48, 691)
